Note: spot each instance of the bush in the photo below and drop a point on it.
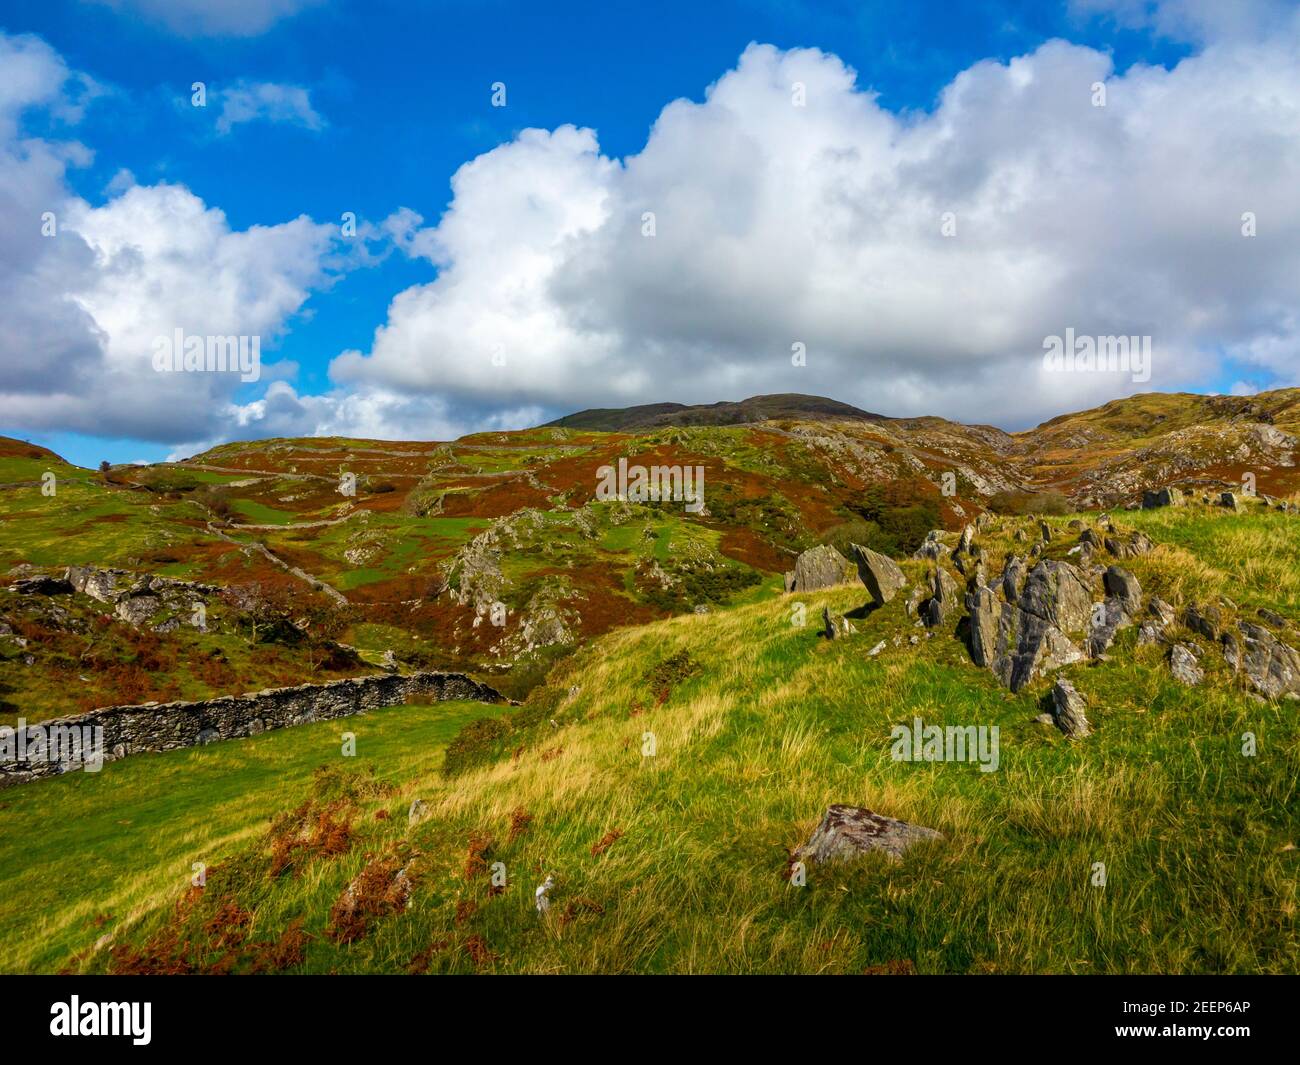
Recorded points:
(1021, 503)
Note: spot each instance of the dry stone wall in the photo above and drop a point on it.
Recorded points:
(131, 730)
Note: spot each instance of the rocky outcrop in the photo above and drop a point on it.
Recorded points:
(1271, 667)
(1033, 633)
(1162, 497)
(129, 730)
(817, 568)
(848, 831)
(1129, 545)
(879, 573)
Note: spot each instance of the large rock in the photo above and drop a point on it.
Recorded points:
(1162, 497)
(848, 831)
(1033, 632)
(817, 568)
(879, 573)
(1069, 709)
(1272, 667)
(1121, 584)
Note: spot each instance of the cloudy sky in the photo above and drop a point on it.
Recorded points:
(669, 201)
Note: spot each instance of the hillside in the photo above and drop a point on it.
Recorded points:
(322, 558)
(663, 775)
(790, 406)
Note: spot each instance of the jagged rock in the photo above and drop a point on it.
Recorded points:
(1272, 617)
(945, 598)
(137, 609)
(966, 539)
(1229, 500)
(835, 625)
(1056, 592)
(1069, 709)
(1184, 665)
(876, 650)
(879, 573)
(1090, 536)
(817, 568)
(984, 616)
(848, 831)
(418, 812)
(1135, 543)
(1120, 583)
(1013, 578)
(1046, 531)
(1272, 667)
(931, 550)
(918, 595)
(1206, 620)
(1107, 622)
(1032, 632)
(1162, 497)
(1161, 611)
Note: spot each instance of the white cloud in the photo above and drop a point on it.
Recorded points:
(247, 101)
(777, 224)
(84, 305)
(1196, 20)
(212, 18)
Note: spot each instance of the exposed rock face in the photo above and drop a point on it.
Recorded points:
(1069, 709)
(879, 573)
(1032, 632)
(817, 568)
(167, 726)
(1272, 667)
(1162, 497)
(835, 625)
(848, 831)
(138, 599)
(1184, 665)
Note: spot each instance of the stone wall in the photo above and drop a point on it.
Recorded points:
(131, 730)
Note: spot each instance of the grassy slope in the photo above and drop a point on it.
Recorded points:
(1198, 841)
(123, 841)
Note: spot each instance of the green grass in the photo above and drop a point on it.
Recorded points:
(124, 840)
(1197, 839)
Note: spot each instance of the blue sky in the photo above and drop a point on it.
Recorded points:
(395, 97)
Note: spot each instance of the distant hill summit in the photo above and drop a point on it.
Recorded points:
(791, 405)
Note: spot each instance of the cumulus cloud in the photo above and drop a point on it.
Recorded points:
(212, 18)
(776, 224)
(1195, 20)
(87, 289)
(265, 101)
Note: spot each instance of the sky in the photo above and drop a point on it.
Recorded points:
(443, 217)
